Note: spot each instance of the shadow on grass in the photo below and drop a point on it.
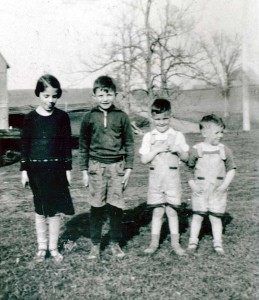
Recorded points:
(133, 220)
(206, 226)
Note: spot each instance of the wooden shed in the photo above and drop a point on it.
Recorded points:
(4, 124)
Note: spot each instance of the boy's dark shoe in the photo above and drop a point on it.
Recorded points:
(116, 251)
(94, 253)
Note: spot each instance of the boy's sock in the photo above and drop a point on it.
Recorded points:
(41, 231)
(154, 244)
(193, 243)
(216, 225)
(54, 226)
(195, 231)
(115, 215)
(96, 222)
(176, 245)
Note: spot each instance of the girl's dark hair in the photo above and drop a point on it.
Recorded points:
(46, 81)
(211, 119)
(104, 82)
(160, 106)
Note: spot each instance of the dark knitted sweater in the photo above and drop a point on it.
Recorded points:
(46, 141)
(106, 136)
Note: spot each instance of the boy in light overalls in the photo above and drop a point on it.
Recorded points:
(163, 148)
(214, 169)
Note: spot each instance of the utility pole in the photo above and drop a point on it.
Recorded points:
(245, 94)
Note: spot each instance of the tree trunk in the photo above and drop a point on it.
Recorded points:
(226, 106)
(246, 108)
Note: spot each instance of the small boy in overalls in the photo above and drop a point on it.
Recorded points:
(214, 169)
(163, 148)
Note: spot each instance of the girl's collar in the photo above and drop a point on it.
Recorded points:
(43, 112)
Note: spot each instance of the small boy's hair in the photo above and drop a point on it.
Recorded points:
(211, 119)
(46, 81)
(160, 106)
(104, 82)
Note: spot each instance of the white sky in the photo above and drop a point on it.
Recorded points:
(54, 36)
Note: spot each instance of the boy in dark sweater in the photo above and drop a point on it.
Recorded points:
(106, 159)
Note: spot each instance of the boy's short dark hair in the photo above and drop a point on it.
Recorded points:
(211, 119)
(104, 82)
(160, 106)
(44, 82)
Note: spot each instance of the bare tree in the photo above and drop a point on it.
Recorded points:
(146, 53)
(220, 60)
(172, 51)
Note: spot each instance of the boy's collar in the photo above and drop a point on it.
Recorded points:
(98, 108)
(169, 130)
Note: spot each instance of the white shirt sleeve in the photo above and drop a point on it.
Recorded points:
(146, 145)
(180, 141)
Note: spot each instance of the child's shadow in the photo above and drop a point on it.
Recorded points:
(206, 225)
(133, 220)
(184, 215)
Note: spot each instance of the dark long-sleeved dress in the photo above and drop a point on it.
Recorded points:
(46, 155)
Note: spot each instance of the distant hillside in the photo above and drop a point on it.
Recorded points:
(19, 98)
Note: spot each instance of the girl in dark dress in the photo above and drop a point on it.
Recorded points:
(46, 164)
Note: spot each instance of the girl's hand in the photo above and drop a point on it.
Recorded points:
(24, 178)
(85, 178)
(68, 174)
(126, 178)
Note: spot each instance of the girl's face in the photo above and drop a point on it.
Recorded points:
(48, 98)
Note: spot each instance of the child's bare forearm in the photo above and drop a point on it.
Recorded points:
(85, 178)
(228, 179)
(147, 158)
(183, 156)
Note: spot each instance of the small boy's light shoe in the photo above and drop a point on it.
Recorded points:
(178, 250)
(40, 256)
(219, 249)
(192, 247)
(94, 253)
(57, 257)
(153, 245)
(151, 249)
(116, 250)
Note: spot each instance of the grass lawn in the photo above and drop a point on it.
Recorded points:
(204, 275)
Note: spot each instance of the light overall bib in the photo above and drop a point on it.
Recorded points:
(209, 173)
(164, 177)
